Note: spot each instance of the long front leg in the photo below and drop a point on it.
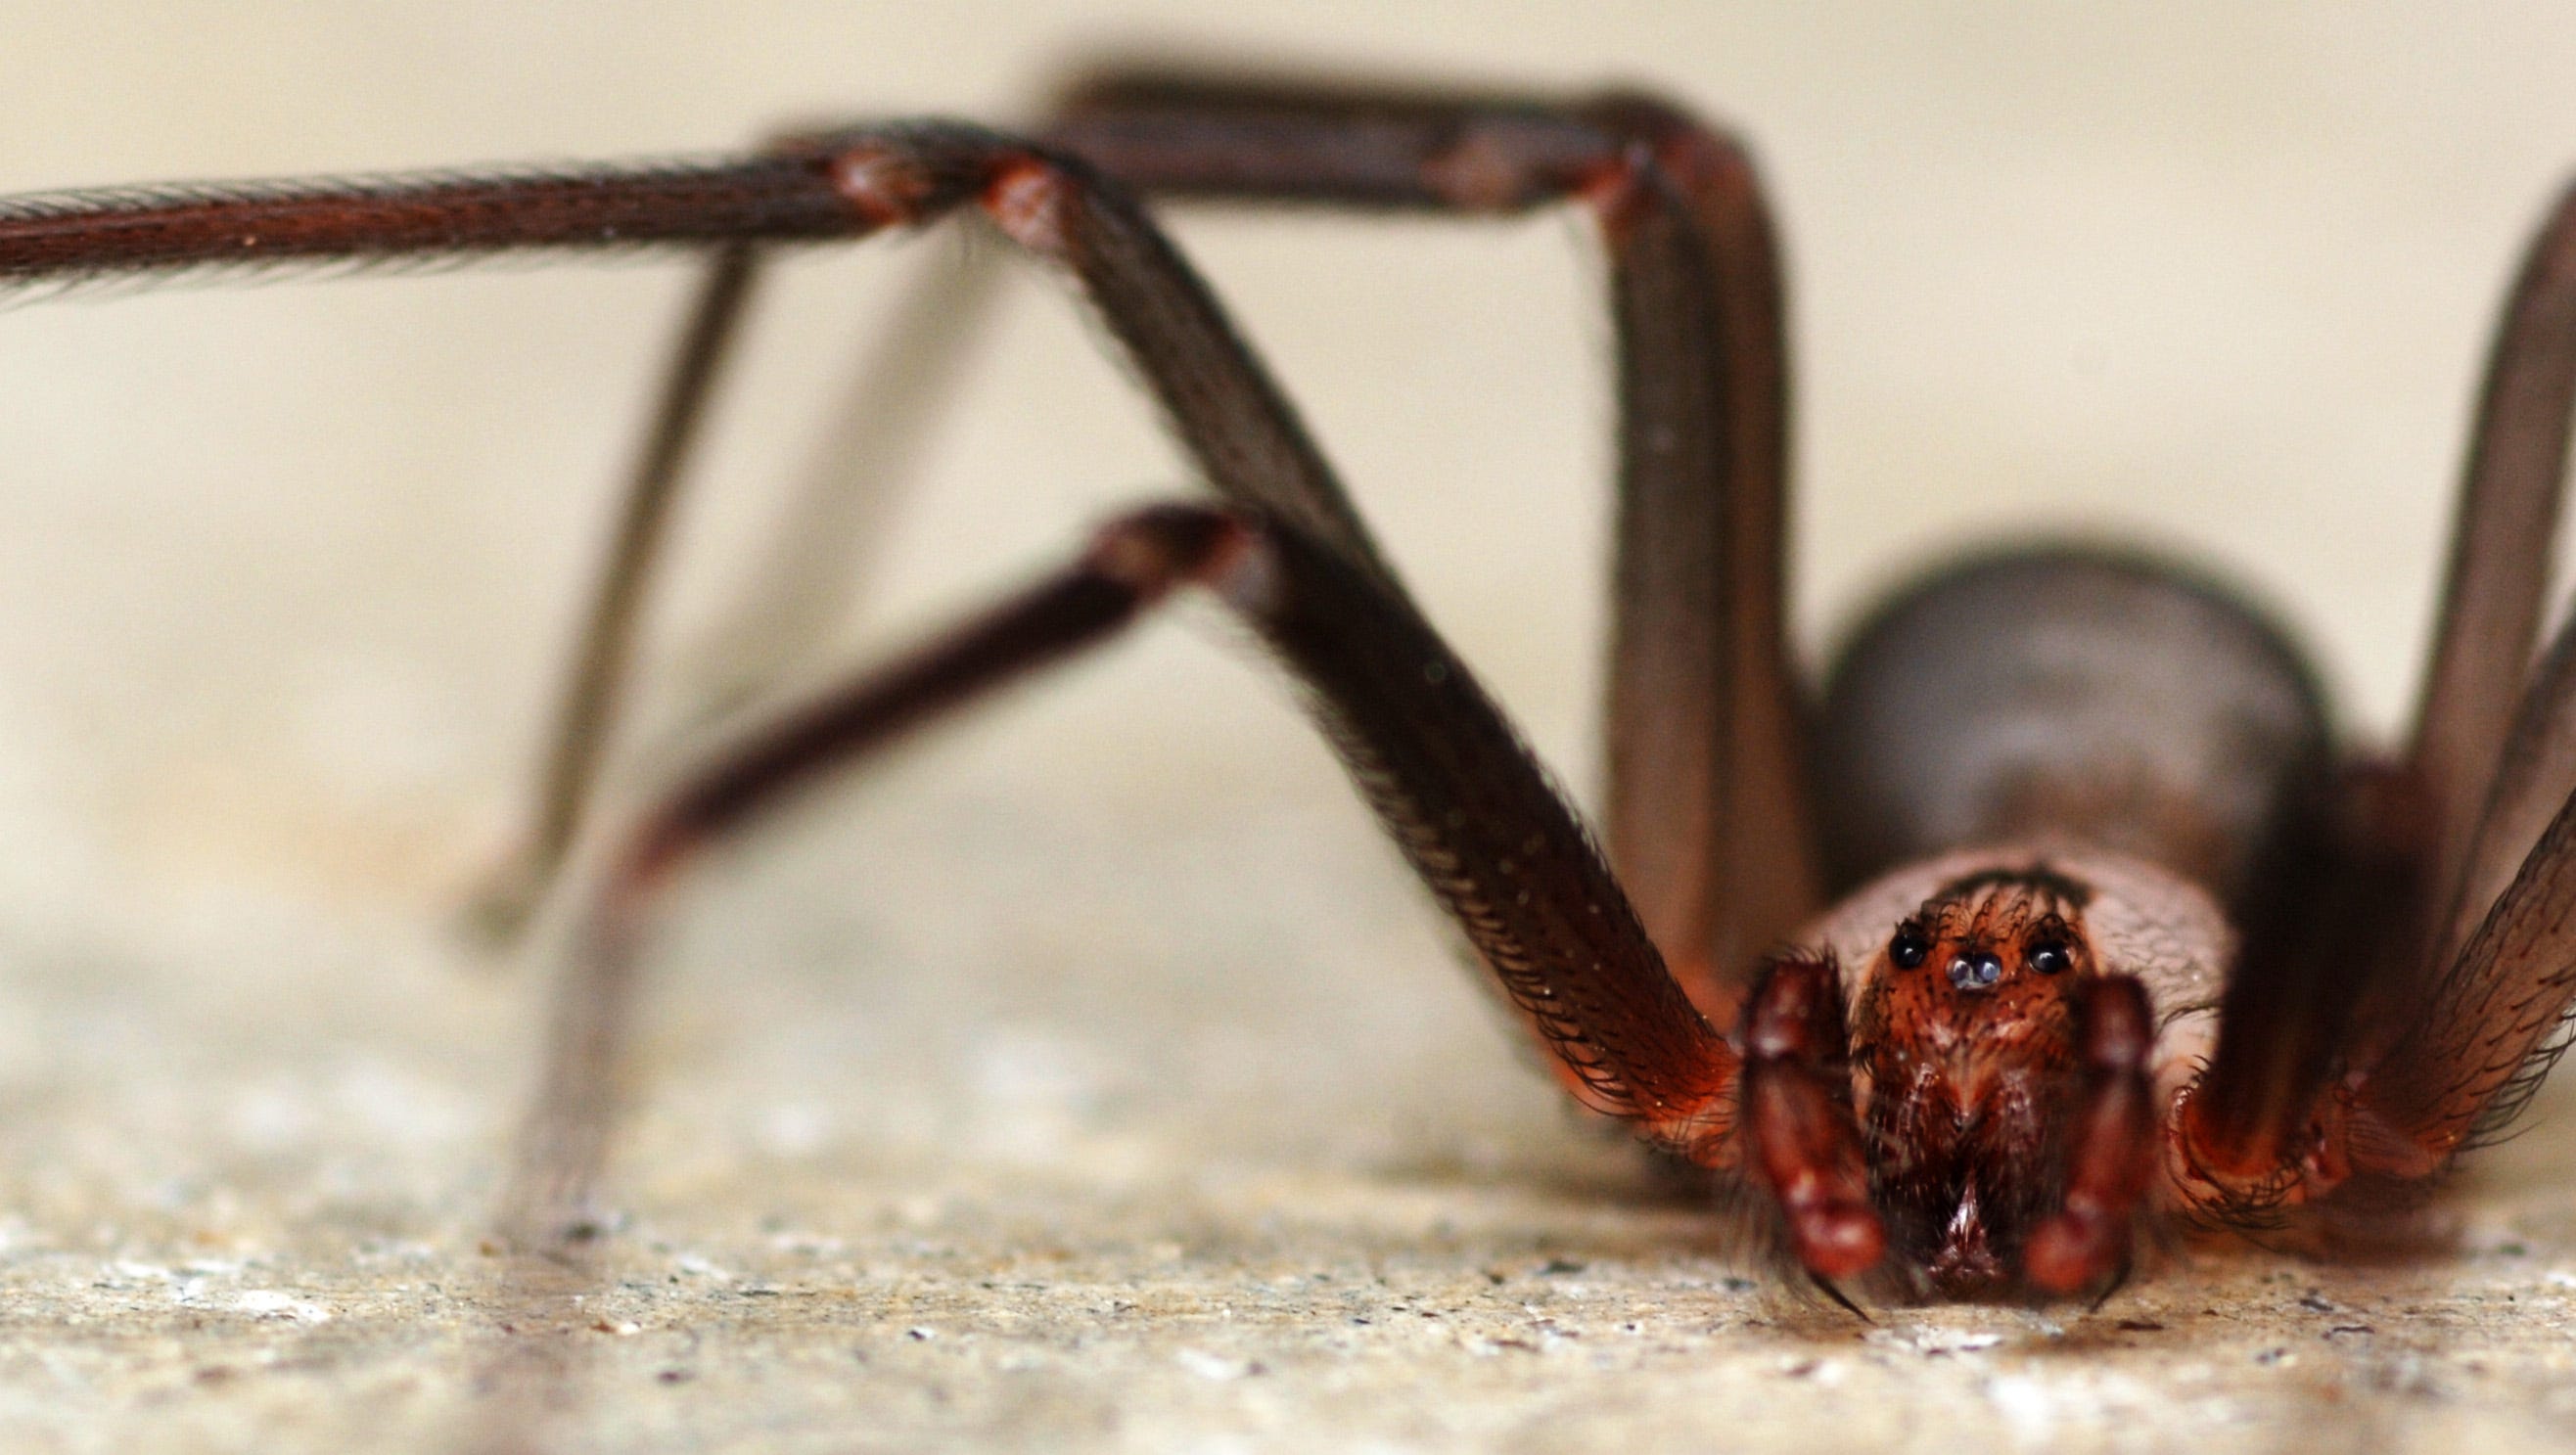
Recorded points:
(2405, 993)
(1468, 806)
(1236, 424)
(1707, 817)
(2465, 1055)
(2498, 578)
(845, 183)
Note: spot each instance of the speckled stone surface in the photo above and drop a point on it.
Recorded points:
(1092, 1080)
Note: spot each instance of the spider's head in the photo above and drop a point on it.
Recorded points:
(1984, 962)
(1964, 1041)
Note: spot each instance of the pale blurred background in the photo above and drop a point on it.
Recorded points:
(2221, 280)
(287, 571)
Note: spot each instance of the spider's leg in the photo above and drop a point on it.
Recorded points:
(600, 668)
(1707, 816)
(2111, 1142)
(820, 555)
(2466, 1054)
(2322, 958)
(813, 571)
(2498, 577)
(1801, 1140)
(2425, 1066)
(1238, 428)
(2375, 967)
(844, 183)
(62, 240)
(1435, 758)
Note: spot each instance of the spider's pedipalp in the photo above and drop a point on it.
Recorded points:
(1801, 1140)
(2110, 1156)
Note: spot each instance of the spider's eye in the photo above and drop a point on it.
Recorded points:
(2049, 959)
(1909, 947)
(1976, 971)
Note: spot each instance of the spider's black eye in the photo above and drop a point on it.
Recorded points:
(2049, 958)
(1909, 947)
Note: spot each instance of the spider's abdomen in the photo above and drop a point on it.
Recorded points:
(2071, 694)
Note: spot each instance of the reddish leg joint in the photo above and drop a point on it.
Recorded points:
(905, 177)
(1805, 1145)
(886, 186)
(1616, 193)
(2110, 1145)
(1027, 200)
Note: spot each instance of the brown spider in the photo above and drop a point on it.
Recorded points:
(2052, 913)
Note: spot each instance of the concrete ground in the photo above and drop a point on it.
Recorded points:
(1092, 1079)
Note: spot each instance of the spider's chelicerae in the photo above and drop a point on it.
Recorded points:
(2050, 913)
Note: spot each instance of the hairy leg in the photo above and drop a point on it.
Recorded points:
(2407, 991)
(1651, 1059)
(846, 183)
(1707, 818)
(2499, 567)
(2468, 1054)
(2314, 973)
(1462, 798)
(1236, 425)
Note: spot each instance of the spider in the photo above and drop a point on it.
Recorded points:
(2050, 915)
